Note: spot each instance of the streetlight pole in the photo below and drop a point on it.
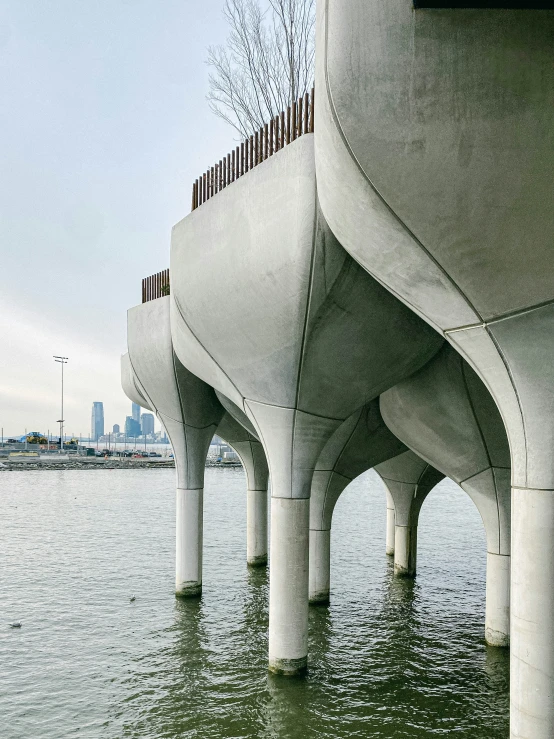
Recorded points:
(62, 361)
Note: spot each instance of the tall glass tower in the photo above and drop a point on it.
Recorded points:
(97, 421)
(135, 413)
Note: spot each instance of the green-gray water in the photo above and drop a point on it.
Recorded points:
(389, 658)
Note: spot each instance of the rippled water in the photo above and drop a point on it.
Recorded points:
(388, 658)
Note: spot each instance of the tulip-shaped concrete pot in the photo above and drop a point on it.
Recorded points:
(301, 338)
(448, 417)
(408, 481)
(190, 414)
(359, 443)
(190, 398)
(434, 160)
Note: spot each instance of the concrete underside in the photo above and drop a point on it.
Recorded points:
(434, 156)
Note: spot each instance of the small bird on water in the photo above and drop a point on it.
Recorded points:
(16, 625)
(132, 598)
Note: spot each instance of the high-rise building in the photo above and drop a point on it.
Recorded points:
(135, 412)
(116, 428)
(97, 421)
(147, 424)
(132, 427)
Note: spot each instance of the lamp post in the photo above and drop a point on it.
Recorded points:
(62, 361)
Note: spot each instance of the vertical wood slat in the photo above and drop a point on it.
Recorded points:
(287, 136)
(297, 120)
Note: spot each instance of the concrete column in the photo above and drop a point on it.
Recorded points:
(288, 586)
(320, 566)
(256, 527)
(497, 614)
(405, 550)
(532, 615)
(408, 480)
(189, 534)
(390, 525)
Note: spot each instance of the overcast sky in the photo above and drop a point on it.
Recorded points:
(103, 127)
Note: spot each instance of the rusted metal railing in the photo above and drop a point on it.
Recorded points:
(155, 286)
(273, 136)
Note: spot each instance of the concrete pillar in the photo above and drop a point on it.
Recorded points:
(497, 616)
(408, 480)
(389, 545)
(288, 586)
(256, 527)
(237, 430)
(320, 566)
(188, 550)
(532, 607)
(405, 550)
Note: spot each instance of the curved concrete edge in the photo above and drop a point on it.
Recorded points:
(363, 222)
(129, 383)
(237, 413)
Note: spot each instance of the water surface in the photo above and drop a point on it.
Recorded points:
(389, 658)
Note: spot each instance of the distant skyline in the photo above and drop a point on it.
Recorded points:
(104, 127)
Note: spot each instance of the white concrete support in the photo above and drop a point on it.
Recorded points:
(320, 566)
(389, 546)
(408, 480)
(288, 586)
(189, 534)
(532, 615)
(405, 551)
(497, 615)
(256, 527)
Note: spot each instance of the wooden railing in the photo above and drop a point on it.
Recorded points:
(155, 286)
(273, 136)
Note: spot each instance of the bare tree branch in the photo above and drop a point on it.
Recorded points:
(266, 63)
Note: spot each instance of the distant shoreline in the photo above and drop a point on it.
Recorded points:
(103, 464)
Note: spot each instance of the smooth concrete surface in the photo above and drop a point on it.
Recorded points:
(190, 413)
(129, 383)
(408, 480)
(360, 443)
(447, 416)
(313, 336)
(188, 533)
(434, 155)
(532, 611)
(391, 521)
(288, 586)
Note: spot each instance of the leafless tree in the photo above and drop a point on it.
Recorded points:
(266, 63)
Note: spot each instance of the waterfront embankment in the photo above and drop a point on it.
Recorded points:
(100, 463)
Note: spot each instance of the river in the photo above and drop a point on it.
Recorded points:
(389, 658)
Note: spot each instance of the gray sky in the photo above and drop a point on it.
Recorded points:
(104, 125)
